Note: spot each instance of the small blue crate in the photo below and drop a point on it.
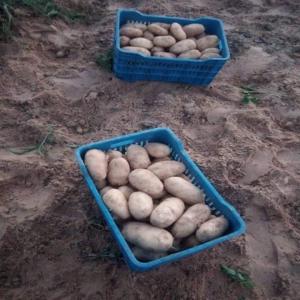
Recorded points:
(216, 202)
(135, 66)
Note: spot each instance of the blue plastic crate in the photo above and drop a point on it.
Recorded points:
(134, 66)
(216, 202)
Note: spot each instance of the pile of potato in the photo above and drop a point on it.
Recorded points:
(159, 210)
(169, 40)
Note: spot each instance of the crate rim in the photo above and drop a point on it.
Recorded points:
(183, 60)
(133, 263)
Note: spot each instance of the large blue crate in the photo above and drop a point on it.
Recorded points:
(134, 66)
(216, 202)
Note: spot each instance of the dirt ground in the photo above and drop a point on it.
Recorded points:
(52, 238)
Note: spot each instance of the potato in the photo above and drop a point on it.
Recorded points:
(210, 55)
(141, 42)
(158, 150)
(190, 242)
(140, 205)
(96, 162)
(168, 168)
(118, 171)
(106, 189)
(157, 29)
(124, 40)
(163, 25)
(131, 32)
(148, 35)
(147, 236)
(113, 154)
(126, 190)
(183, 46)
(138, 157)
(146, 181)
(146, 255)
(211, 50)
(192, 30)
(164, 41)
(192, 54)
(212, 229)
(177, 31)
(167, 212)
(157, 49)
(184, 190)
(209, 41)
(164, 54)
(137, 49)
(188, 222)
(140, 26)
(117, 203)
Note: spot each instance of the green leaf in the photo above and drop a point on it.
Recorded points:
(22, 150)
(105, 60)
(238, 276)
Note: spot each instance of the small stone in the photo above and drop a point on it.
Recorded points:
(79, 130)
(62, 53)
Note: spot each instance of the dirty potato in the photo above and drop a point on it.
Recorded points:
(212, 229)
(188, 222)
(96, 162)
(137, 50)
(157, 29)
(163, 25)
(192, 30)
(168, 168)
(209, 41)
(140, 205)
(164, 41)
(141, 42)
(118, 171)
(158, 150)
(211, 50)
(147, 236)
(183, 46)
(138, 157)
(210, 55)
(145, 181)
(192, 54)
(157, 49)
(117, 203)
(113, 154)
(177, 31)
(124, 40)
(148, 35)
(184, 190)
(131, 32)
(167, 212)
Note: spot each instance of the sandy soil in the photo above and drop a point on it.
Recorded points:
(52, 239)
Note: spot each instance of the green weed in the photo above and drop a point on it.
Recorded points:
(50, 9)
(45, 8)
(105, 60)
(238, 276)
(249, 95)
(40, 148)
